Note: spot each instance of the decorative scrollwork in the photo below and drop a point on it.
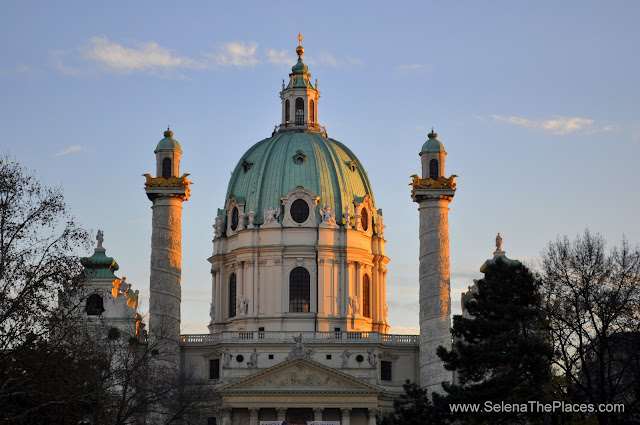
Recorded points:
(170, 182)
(439, 183)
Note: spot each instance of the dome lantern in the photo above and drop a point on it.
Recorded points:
(300, 98)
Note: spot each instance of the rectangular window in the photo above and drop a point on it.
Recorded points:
(385, 371)
(261, 333)
(214, 369)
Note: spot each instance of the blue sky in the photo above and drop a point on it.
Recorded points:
(536, 104)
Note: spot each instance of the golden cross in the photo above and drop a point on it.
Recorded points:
(300, 39)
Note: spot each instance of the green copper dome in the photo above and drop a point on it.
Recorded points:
(432, 144)
(300, 68)
(99, 265)
(274, 166)
(496, 258)
(168, 143)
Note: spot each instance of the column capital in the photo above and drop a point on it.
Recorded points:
(317, 413)
(282, 412)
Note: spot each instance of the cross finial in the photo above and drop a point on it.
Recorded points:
(300, 39)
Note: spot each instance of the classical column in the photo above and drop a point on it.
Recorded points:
(322, 288)
(167, 191)
(240, 279)
(282, 413)
(346, 415)
(433, 193)
(317, 413)
(372, 416)
(249, 292)
(253, 416)
(226, 415)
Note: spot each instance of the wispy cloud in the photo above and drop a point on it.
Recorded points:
(20, 69)
(417, 68)
(141, 56)
(71, 149)
(558, 125)
(57, 59)
(236, 53)
(280, 57)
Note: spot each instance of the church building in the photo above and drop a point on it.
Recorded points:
(298, 315)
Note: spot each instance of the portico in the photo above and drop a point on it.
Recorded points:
(300, 391)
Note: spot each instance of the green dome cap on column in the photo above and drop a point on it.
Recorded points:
(432, 144)
(168, 143)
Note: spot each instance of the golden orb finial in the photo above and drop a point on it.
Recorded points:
(300, 49)
(168, 133)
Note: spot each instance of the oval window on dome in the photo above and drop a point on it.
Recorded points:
(234, 219)
(299, 211)
(364, 219)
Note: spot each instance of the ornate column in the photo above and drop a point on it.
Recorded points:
(253, 416)
(317, 413)
(433, 193)
(167, 191)
(282, 413)
(346, 415)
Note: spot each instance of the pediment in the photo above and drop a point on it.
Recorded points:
(300, 374)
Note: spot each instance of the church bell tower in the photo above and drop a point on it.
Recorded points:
(433, 192)
(167, 191)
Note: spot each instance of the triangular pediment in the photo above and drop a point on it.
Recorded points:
(300, 374)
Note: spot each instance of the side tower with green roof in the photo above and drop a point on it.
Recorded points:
(109, 301)
(433, 192)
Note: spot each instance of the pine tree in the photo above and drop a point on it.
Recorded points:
(501, 353)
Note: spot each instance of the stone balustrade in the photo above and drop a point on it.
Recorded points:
(332, 337)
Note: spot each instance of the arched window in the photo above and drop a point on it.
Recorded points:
(366, 296)
(166, 168)
(287, 114)
(299, 290)
(95, 305)
(232, 295)
(312, 111)
(434, 172)
(299, 111)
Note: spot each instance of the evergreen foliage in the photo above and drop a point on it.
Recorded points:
(502, 352)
